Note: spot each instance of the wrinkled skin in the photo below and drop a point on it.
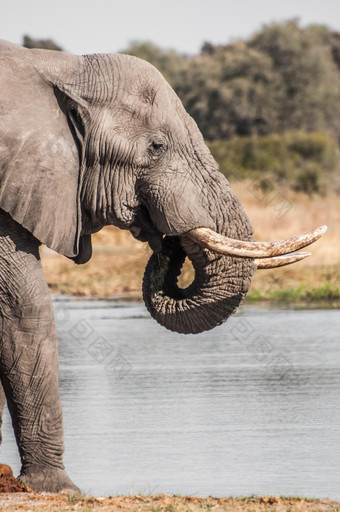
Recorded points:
(86, 142)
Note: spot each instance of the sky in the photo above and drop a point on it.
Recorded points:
(99, 26)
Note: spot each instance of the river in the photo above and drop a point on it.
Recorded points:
(249, 408)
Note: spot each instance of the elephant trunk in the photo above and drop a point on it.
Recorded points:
(219, 286)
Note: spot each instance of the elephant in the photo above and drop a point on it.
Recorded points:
(96, 140)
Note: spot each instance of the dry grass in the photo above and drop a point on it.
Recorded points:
(284, 215)
(162, 502)
(117, 265)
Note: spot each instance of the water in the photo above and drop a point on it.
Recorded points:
(250, 408)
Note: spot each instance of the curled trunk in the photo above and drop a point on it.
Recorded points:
(219, 286)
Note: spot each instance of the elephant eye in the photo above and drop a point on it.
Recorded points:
(157, 147)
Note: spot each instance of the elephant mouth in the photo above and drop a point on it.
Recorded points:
(143, 230)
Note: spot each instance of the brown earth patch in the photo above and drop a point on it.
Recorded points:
(8, 483)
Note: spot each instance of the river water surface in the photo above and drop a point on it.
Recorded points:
(250, 408)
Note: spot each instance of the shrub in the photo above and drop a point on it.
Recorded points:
(305, 162)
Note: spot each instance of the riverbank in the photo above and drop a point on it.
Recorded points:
(118, 262)
(158, 503)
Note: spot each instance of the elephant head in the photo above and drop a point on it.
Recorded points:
(103, 139)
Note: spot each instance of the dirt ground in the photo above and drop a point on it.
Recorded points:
(32, 502)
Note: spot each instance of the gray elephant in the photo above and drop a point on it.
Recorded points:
(86, 142)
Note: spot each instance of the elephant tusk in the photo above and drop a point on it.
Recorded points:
(209, 239)
(280, 261)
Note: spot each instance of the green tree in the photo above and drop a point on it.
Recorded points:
(308, 89)
(226, 91)
(283, 78)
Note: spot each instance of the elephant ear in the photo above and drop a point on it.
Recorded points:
(39, 150)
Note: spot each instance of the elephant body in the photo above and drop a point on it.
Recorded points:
(87, 142)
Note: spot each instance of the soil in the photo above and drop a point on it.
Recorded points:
(14, 496)
(160, 502)
(9, 484)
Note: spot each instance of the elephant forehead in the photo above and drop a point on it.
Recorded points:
(145, 85)
(145, 89)
(151, 103)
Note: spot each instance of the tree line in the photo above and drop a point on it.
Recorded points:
(283, 79)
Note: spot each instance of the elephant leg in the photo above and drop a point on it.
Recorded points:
(29, 360)
(2, 405)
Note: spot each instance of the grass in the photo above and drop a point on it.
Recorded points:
(303, 296)
(315, 284)
(117, 266)
(161, 502)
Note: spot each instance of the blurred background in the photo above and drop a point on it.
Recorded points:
(262, 80)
